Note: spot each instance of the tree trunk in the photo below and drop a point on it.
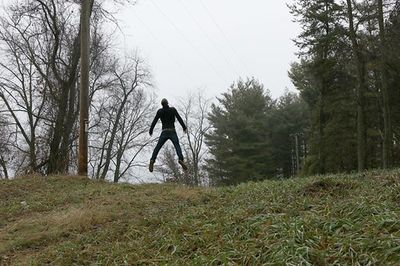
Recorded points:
(60, 147)
(68, 127)
(4, 167)
(32, 153)
(321, 125)
(361, 127)
(361, 88)
(388, 132)
(113, 133)
(55, 158)
(103, 149)
(118, 161)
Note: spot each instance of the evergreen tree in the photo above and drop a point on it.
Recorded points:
(331, 141)
(393, 66)
(316, 77)
(348, 76)
(290, 118)
(240, 142)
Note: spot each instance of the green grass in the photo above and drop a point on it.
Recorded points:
(329, 220)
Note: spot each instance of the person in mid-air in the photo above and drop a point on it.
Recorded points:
(167, 115)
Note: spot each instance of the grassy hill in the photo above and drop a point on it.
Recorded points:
(342, 219)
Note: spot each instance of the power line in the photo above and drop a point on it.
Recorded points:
(173, 58)
(209, 38)
(223, 35)
(188, 41)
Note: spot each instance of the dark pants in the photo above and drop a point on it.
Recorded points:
(166, 135)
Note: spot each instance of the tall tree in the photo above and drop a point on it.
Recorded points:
(360, 61)
(40, 85)
(393, 71)
(289, 118)
(324, 82)
(387, 117)
(46, 35)
(347, 59)
(195, 110)
(24, 95)
(239, 141)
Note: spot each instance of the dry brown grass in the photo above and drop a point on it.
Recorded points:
(342, 220)
(327, 186)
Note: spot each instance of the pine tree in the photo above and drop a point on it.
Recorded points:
(289, 118)
(348, 75)
(239, 142)
(318, 43)
(393, 68)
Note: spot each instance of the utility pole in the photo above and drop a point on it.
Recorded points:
(304, 150)
(84, 90)
(296, 165)
(293, 163)
(296, 136)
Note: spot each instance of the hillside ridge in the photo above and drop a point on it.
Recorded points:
(333, 219)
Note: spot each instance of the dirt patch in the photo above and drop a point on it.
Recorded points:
(386, 178)
(327, 186)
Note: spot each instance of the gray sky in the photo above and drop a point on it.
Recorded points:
(209, 44)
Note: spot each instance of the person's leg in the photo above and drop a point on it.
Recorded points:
(175, 141)
(161, 141)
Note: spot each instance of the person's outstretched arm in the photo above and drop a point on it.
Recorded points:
(153, 124)
(180, 120)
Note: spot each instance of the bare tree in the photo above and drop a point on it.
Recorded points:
(387, 116)
(120, 115)
(39, 81)
(23, 93)
(360, 60)
(45, 35)
(195, 111)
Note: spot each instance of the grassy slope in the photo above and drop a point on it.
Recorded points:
(321, 220)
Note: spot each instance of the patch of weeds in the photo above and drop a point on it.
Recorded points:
(396, 194)
(327, 186)
(300, 221)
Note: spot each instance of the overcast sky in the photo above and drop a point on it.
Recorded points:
(208, 44)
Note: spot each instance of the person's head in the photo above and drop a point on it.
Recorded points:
(164, 102)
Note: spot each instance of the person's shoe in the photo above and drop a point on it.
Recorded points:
(151, 166)
(182, 163)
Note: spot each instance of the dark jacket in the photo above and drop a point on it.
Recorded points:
(167, 115)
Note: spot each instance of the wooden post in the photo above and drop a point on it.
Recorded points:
(84, 89)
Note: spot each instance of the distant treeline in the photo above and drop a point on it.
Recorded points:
(349, 75)
(346, 116)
